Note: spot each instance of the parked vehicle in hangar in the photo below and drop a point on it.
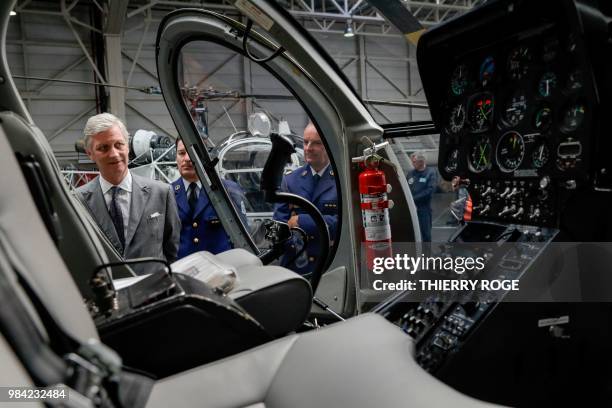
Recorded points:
(240, 347)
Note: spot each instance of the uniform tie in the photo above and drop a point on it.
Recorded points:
(117, 216)
(192, 197)
(316, 178)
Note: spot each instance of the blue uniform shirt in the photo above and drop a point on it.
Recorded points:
(422, 186)
(325, 197)
(203, 231)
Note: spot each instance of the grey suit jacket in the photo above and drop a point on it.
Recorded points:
(154, 226)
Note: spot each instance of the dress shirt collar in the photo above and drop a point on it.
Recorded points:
(321, 172)
(126, 183)
(187, 183)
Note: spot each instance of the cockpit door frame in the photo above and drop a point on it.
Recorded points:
(315, 81)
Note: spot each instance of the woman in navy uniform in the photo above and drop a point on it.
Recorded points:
(315, 181)
(201, 229)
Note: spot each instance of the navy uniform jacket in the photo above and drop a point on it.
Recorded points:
(324, 196)
(203, 231)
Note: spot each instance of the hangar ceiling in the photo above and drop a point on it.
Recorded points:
(73, 58)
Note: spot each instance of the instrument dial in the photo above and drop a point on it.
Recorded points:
(540, 155)
(573, 117)
(479, 158)
(481, 112)
(518, 62)
(547, 84)
(510, 151)
(457, 118)
(515, 109)
(459, 80)
(543, 119)
(452, 161)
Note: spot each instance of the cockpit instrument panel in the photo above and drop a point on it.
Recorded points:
(515, 104)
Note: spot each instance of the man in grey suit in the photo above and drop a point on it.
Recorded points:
(138, 215)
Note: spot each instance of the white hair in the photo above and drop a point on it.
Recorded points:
(418, 155)
(100, 123)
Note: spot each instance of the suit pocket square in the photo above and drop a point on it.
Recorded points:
(154, 215)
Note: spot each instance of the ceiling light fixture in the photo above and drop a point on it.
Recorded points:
(348, 31)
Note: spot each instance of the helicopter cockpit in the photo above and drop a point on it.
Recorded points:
(518, 92)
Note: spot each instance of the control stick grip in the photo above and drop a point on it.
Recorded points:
(272, 174)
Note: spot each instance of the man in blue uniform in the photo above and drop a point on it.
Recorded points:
(315, 181)
(201, 229)
(422, 181)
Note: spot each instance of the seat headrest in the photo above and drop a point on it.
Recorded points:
(32, 247)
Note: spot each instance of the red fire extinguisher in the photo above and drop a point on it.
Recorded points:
(375, 205)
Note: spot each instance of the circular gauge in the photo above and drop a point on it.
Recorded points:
(452, 161)
(515, 109)
(480, 112)
(479, 159)
(547, 84)
(518, 62)
(572, 117)
(510, 151)
(459, 80)
(543, 119)
(487, 70)
(574, 81)
(540, 155)
(457, 118)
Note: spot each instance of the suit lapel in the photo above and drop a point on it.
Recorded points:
(97, 205)
(305, 183)
(181, 197)
(140, 196)
(202, 203)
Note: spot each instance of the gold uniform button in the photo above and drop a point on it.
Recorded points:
(311, 258)
(195, 225)
(195, 240)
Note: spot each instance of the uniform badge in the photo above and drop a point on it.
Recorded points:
(177, 187)
(304, 173)
(411, 180)
(331, 173)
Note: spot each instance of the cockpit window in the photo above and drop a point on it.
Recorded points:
(235, 105)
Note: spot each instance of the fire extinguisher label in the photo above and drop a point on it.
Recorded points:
(376, 220)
